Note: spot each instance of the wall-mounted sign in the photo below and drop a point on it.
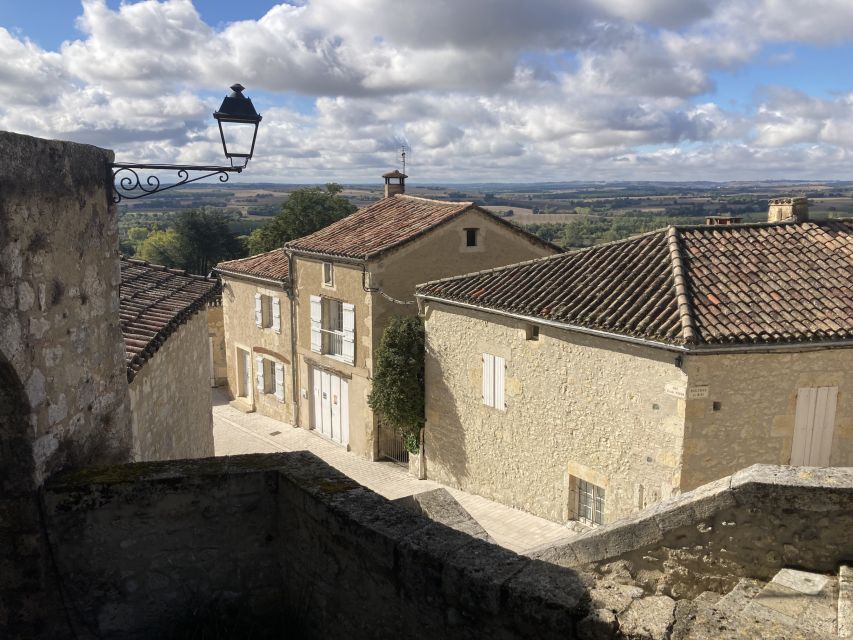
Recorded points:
(695, 393)
(675, 389)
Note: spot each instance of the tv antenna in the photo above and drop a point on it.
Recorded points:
(403, 150)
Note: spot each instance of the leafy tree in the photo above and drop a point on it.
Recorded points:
(204, 238)
(161, 247)
(305, 211)
(398, 379)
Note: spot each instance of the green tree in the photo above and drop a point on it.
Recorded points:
(161, 247)
(305, 211)
(204, 238)
(398, 379)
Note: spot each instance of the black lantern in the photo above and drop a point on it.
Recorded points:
(238, 127)
(240, 121)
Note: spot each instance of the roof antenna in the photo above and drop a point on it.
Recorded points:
(403, 149)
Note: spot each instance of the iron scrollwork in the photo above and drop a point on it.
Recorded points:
(127, 185)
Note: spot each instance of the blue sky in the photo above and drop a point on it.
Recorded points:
(481, 90)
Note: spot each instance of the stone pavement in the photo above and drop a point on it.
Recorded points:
(235, 432)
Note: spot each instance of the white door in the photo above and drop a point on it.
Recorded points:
(331, 406)
(247, 374)
(813, 426)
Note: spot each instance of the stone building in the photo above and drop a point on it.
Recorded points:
(164, 323)
(301, 324)
(592, 384)
(257, 315)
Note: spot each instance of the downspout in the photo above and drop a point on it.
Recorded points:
(294, 368)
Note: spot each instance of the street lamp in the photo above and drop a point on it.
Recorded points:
(238, 129)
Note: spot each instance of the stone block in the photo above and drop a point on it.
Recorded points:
(648, 618)
(600, 624)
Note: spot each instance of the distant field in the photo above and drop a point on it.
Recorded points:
(528, 217)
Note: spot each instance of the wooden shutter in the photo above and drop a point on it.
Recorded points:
(276, 315)
(259, 373)
(500, 370)
(259, 311)
(316, 324)
(279, 381)
(488, 380)
(349, 332)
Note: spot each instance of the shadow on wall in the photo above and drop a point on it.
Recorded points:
(147, 549)
(26, 582)
(445, 444)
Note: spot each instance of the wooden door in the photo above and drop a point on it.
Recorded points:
(814, 425)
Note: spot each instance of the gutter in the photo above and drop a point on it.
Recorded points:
(682, 349)
(325, 257)
(284, 284)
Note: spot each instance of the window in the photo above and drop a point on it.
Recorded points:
(328, 274)
(267, 312)
(590, 502)
(269, 377)
(494, 370)
(471, 237)
(333, 328)
(531, 332)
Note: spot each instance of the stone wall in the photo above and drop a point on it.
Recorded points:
(216, 336)
(748, 414)
(170, 404)
(576, 405)
(59, 277)
(242, 333)
(750, 524)
(149, 549)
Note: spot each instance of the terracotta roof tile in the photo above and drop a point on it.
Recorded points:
(750, 283)
(272, 265)
(154, 302)
(387, 224)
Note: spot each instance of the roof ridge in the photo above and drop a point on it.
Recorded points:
(410, 197)
(685, 311)
(161, 267)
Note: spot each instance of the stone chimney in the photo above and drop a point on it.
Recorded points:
(395, 182)
(718, 220)
(788, 209)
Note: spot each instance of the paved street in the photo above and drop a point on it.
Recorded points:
(236, 432)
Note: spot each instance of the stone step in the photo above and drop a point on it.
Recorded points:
(845, 601)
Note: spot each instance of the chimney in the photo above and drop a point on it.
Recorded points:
(788, 209)
(718, 220)
(395, 182)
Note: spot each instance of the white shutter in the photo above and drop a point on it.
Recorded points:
(276, 315)
(500, 370)
(259, 311)
(279, 381)
(259, 373)
(488, 380)
(349, 333)
(316, 323)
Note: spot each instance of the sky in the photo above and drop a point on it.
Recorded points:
(479, 90)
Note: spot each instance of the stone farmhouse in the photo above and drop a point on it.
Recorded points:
(591, 384)
(163, 315)
(303, 323)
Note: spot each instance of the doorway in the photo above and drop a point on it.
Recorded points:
(330, 414)
(813, 426)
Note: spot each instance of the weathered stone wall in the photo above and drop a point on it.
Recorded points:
(59, 277)
(575, 406)
(148, 549)
(170, 397)
(750, 524)
(216, 337)
(756, 396)
(242, 332)
(347, 287)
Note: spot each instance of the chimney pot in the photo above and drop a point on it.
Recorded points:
(395, 182)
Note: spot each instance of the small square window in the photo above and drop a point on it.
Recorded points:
(471, 237)
(328, 274)
(532, 332)
(590, 506)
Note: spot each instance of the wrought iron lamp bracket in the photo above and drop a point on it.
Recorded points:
(127, 185)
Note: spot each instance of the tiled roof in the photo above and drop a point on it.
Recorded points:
(702, 285)
(154, 302)
(271, 265)
(387, 224)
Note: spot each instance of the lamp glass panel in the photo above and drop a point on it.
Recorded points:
(238, 137)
